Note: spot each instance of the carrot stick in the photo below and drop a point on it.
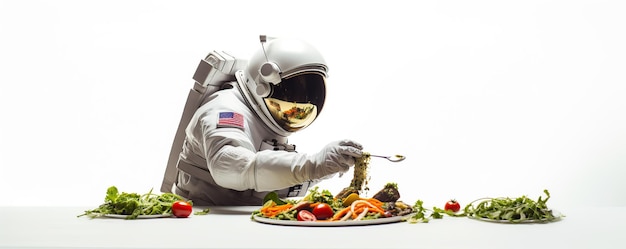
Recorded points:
(340, 213)
(272, 211)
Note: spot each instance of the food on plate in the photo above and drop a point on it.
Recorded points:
(323, 206)
(360, 178)
(306, 215)
(181, 209)
(514, 210)
(323, 211)
(350, 199)
(389, 193)
(132, 205)
(452, 205)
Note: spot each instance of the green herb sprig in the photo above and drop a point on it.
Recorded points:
(422, 214)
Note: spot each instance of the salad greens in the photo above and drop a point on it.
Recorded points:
(514, 210)
(323, 196)
(133, 204)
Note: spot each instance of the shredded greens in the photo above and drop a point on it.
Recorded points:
(360, 180)
(133, 204)
(514, 210)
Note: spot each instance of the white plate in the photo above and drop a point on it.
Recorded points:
(239, 210)
(393, 219)
(557, 217)
(123, 216)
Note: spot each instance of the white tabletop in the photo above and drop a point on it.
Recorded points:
(59, 227)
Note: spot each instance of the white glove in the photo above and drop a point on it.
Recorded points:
(336, 157)
(280, 169)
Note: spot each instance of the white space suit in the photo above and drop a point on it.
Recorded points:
(235, 148)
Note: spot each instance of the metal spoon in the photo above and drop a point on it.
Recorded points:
(394, 158)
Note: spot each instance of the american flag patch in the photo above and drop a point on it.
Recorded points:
(230, 119)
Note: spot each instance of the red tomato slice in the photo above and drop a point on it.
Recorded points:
(181, 209)
(304, 215)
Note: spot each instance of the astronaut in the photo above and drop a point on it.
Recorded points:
(236, 149)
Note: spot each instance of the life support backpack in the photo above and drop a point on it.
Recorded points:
(217, 68)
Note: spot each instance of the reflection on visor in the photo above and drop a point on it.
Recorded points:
(291, 116)
(296, 101)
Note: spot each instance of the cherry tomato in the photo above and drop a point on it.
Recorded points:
(181, 209)
(323, 211)
(304, 215)
(452, 205)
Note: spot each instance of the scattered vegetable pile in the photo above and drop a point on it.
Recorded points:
(133, 205)
(504, 209)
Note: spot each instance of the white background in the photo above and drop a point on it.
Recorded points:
(485, 98)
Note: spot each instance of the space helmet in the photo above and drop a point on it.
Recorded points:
(286, 84)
